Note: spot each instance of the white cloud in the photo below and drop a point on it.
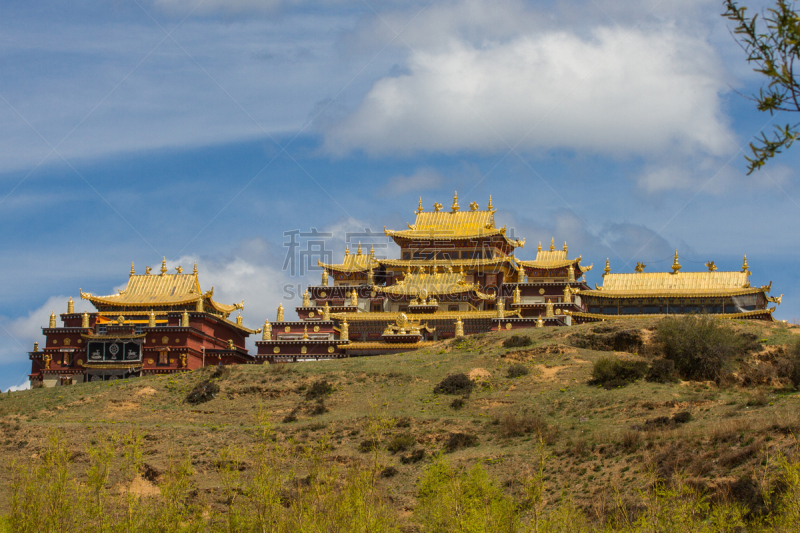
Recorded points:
(620, 91)
(423, 179)
(24, 385)
(18, 334)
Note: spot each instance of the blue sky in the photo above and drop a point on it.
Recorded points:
(205, 130)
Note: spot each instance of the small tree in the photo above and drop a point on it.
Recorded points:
(772, 46)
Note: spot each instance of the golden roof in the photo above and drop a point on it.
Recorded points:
(423, 285)
(444, 263)
(161, 290)
(453, 225)
(666, 284)
(552, 258)
(358, 262)
(745, 314)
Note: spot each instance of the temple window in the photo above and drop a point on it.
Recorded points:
(163, 357)
(102, 329)
(452, 307)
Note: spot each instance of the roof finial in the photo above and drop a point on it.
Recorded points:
(675, 264)
(712, 267)
(455, 207)
(745, 268)
(490, 206)
(133, 270)
(565, 247)
(359, 247)
(539, 249)
(640, 267)
(347, 250)
(164, 266)
(607, 270)
(372, 251)
(195, 268)
(552, 244)
(419, 207)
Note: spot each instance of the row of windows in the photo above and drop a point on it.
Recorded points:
(654, 310)
(454, 254)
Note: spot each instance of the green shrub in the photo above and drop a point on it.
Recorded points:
(517, 370)
(401, 443)
(455, 384)
(662, 371)
(202, 392)
(701, 346)
(613, 372)
(318, 389)
(453, 499)
(517, 341)
(457, 441)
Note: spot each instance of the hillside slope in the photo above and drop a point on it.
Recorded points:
(602, 444)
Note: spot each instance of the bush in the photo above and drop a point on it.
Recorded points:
(202, 392)
(516, 425)
(414, 457)
(291, 417)
(701, 346)
(368, 445)
(389, 471)
(457, 441)
(401, 443)
(457, 403)
(455, 384)
(318, 389)
(517, 370)
(517, 341)
(318, 408)
(662, 371)
(612, 372)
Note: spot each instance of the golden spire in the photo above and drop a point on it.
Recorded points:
(372, 251)
(53, 319)
(745, 268)
(305, 331)
(164, 266)
(711, 266)
(552, 245)
(359, 248)
(419, 207)
(70, 305)
(133, 270)
(473, 206)
(85, 320)
(565, 247)
(676, 266)
(147, 270)
(195, 268)
(539, 249)
(437, 207)
(185, 319)
(455, 207)
(280, 313)
(347, 250)
(151, 319)
(267, 331)
(35, 346)
(490, 206)
(239, 320)
(607, 270)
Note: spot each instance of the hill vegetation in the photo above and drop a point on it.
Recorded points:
(625, 426)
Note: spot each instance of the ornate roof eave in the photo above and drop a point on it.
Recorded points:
(554, 264)
(343, 267)
(414, 235)
(444, 263)
(745, 314)
(112, 300)
(413, 290)
(660, 293)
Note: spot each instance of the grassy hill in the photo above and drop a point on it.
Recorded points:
(600, 449)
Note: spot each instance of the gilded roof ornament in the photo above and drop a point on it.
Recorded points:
(565, 247)
(490, 207)
(53, 319)
(640, 267)
(70, 305)
(455, 206)
(195, 268)
(419, 207)
(676, 266)
(305, 331)
(539, 249)
(347, 250)
(179, 269)
(163, 266)
(711, 266)
(147, 270)
(473, 206)
(552, 245)
(437, 207)
(775, 299)
(745, 268)
(372, 251)
(133, 270)
(607, 269)
(359, 248)
(239, 320)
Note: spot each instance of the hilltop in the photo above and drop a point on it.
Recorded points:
(602, 443)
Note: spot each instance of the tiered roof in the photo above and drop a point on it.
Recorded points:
(424, 285)
(149, 291)
(455, 224)
(358, 262)
(551, 259)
